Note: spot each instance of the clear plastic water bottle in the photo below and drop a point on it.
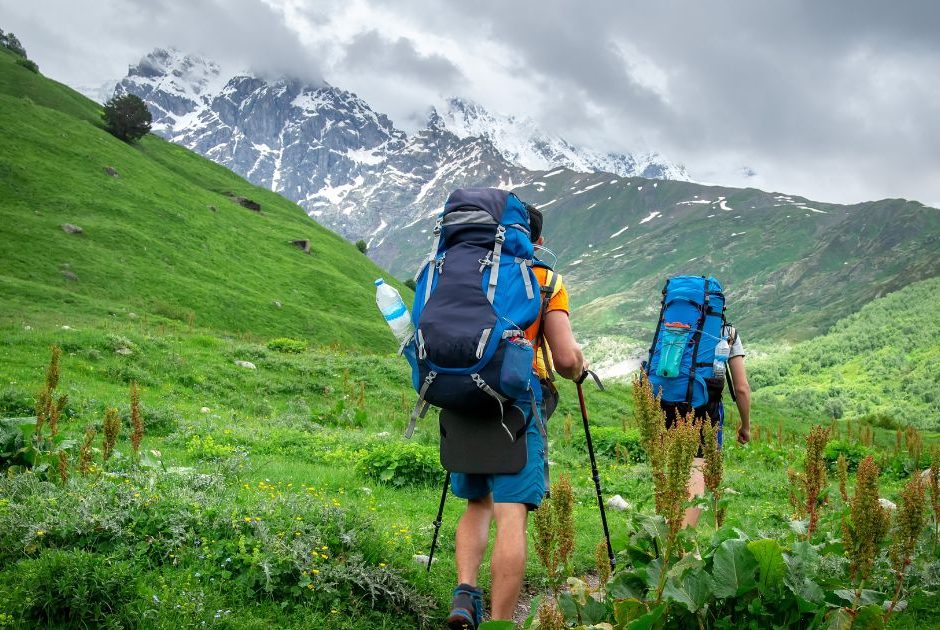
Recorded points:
(722, 350)
(394, 310)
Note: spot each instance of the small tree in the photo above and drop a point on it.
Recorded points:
(12, 43)
(362, 246)
(411, 284)
(126, 117)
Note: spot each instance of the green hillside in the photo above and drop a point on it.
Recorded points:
(882, 361)
(792, 267)
(163, 237)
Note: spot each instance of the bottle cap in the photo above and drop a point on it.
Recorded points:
(379, 281)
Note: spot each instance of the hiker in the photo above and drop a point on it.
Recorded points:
(694, 351)
(507, 498)
(742, 399)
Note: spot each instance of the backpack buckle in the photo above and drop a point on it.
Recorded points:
(501, 234)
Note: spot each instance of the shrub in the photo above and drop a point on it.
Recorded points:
(611, 441)
(362, 246)
(880, 419)
(854, 453)
(73, 588)
(401, 464)
(411, 284)
(29, 64)
(126, 117)
(207, 448)
(16, 402)
(288, 345)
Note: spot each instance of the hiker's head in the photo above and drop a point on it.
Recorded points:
(535, 224)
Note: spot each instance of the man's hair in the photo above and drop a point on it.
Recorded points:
(535, 222)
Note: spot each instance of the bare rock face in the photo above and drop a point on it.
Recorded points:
(302, 244)
(69, 228)
(111, 171)
(254, 206)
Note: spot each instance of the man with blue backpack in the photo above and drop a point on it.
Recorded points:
(694, 351)
(483, 306)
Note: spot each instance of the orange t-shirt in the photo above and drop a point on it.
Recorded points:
(558, 302)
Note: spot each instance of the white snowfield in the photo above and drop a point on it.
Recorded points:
(652, 215)
(812, 209)
(620, 231)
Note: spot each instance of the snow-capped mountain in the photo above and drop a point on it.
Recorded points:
(520, 141)
(344, 163)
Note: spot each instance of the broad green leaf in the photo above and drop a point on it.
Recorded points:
(800, 528)
(840, 619)
(770, 565)
(653, 572)
(869, 618)
(568, 607)
(865, 598)
(626, 585)
(652, 525)
(688, 562)
(627, 610)
(733, 569)
(808, 593)
(647, 621)
(579, 590)
(595, 611)
(693, 590)
(497, 625)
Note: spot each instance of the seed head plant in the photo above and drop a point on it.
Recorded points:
(842, 468)
(84, 453)
(136, 421)
(602, 563)
(807, 486)
(554, 531)
(933, 478)
(112, 428)
(713, 469)
(867, 524)
(550, 618)
(63, 467)
(915, 444)
(911, 518)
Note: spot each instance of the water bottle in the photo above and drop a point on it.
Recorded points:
(394, 310)
(722, 350)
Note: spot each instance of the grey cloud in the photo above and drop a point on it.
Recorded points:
(372, 53)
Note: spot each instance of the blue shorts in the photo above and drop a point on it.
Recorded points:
(526, 486)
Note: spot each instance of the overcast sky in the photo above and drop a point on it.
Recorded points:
(833, 100)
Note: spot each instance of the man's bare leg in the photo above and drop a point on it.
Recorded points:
(473, 532)
(696, 489)
(509, 555)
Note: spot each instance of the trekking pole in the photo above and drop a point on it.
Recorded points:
(594, 473)
(439, 520)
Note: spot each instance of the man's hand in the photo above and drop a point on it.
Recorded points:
(744, 434)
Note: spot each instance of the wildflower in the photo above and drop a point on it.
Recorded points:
(549, 617)
(806, 487)
(40, 532)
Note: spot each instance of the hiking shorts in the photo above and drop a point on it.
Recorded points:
(527, 486)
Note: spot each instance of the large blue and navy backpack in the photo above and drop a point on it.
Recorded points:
(679, 365)
(476, 294)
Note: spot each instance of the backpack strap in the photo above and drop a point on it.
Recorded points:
(659, 324)
(548, 291)
(696, 338)
(732, 338)
(421, 407)
(494, 265)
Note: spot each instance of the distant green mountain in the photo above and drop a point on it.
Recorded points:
(881, 360)
(792, 267)
(163, 235)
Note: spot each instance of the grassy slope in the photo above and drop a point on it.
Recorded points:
(302, 419)
(151, 242)
(882, 359)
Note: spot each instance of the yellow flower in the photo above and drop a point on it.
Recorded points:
(315, 571)
(41, 532)
(382, 565)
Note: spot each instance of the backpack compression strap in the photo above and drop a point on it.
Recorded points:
(548, 292)
(732, 338)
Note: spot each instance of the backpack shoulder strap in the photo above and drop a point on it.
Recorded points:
(548, 290)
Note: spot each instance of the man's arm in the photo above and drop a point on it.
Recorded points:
(566, 353)
(742, 390)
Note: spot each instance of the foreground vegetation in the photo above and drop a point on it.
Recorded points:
(285, 494)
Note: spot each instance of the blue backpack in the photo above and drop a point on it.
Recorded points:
(475, 296)
(679, 364)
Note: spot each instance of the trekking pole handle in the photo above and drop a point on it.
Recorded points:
(596, 378)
